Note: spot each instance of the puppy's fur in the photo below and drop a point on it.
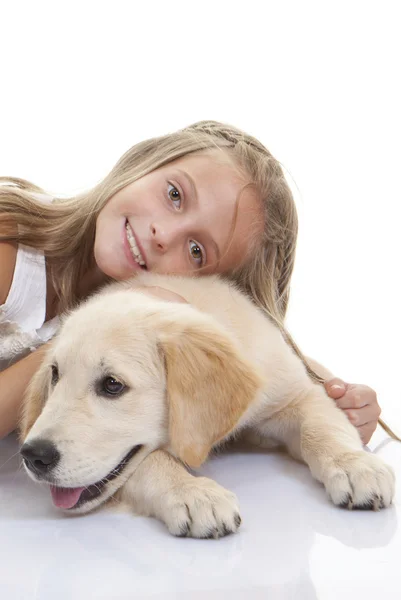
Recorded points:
(188, 376)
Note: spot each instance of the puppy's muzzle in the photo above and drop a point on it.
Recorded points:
(40, 457)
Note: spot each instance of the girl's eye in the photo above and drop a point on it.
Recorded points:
(197, 252)
(174, 195)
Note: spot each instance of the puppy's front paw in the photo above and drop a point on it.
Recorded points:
(358, 480)
(202, 509)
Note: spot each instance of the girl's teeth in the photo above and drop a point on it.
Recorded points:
(134, 248)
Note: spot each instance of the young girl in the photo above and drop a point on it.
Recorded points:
(206, 199)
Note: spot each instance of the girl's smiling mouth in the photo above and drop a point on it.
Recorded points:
(136, 253)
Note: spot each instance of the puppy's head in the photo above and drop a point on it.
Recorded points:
(126, 375)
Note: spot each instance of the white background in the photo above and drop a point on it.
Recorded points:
(316, 82)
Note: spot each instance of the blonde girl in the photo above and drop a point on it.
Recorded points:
(206, 199)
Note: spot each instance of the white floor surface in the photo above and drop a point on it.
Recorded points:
(293, 544)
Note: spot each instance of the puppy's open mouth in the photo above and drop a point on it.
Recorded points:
(75, 497)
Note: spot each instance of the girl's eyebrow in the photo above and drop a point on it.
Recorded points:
(194, 194)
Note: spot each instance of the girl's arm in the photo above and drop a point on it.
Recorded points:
(13, 383)
(359, 402)
(15, 379)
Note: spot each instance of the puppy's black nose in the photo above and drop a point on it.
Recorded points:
(41, 456)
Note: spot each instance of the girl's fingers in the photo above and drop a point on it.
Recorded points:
(359, 402)
(362, 416)
(336, 388)
(357, 396)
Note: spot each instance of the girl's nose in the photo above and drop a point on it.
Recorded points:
(163, 235)
(159, 237)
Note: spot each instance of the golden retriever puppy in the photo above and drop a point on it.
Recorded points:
(135, 386)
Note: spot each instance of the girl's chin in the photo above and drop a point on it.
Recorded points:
(108, 269)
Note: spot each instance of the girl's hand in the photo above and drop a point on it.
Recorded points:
(359, 402)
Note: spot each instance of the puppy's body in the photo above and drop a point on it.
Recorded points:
(192, 375)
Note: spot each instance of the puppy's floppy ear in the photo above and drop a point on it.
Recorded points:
(209, 386)
(34, 399)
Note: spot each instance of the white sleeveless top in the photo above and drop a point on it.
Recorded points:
(22, 316)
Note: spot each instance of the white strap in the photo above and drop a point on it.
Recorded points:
(26, 301)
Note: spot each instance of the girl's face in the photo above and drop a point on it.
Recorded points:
(178, 219)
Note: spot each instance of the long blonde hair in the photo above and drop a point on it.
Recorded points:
(65, 229)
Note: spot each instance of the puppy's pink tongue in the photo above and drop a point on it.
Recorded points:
(65, 497)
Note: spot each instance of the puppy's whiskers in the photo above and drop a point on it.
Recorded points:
(107, 480)
(10, 458)
(18, 471)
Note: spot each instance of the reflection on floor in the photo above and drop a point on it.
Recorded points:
(293, 543)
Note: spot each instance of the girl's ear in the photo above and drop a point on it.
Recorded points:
(209, 387)
(34, 399)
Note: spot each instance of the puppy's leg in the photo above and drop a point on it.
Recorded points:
(319, 433)
(190, 506)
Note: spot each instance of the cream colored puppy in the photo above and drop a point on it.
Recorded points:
(136, 385)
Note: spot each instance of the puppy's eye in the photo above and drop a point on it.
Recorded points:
(55, 375)
(111, 386)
